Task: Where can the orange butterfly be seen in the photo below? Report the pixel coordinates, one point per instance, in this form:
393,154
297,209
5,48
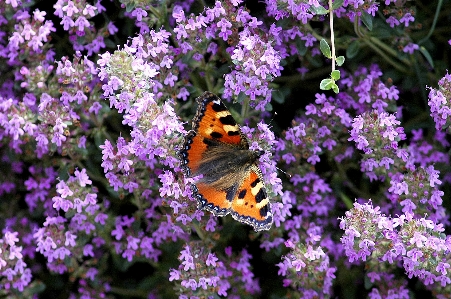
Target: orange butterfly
231,182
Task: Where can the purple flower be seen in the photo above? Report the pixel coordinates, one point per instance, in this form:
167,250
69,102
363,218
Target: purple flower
211,224
211,260
410,48
406,19
299,260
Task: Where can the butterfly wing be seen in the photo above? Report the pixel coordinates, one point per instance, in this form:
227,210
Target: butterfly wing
212,149
212,199
212,125
251,204
214,129
214,121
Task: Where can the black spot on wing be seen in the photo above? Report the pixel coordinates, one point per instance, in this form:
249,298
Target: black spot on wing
227,120
233,133
264,211
254,183
216,135
261,195
210,142
259,225
218,107
242,194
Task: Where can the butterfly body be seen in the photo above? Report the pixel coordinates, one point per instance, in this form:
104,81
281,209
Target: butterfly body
230,179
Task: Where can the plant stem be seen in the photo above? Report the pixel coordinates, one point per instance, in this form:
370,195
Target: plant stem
332,38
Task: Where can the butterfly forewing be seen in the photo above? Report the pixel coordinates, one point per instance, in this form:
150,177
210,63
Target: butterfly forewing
214,121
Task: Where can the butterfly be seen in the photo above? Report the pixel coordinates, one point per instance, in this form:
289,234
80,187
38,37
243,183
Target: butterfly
231,180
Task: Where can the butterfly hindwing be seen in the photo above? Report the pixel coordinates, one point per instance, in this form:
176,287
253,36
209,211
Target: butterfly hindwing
215,202
229,179
251,203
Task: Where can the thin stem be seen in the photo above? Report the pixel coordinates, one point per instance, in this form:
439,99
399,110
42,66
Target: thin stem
381,48
389,50
208,78
245,108
332,37
383,55
357,28
199,231
434,23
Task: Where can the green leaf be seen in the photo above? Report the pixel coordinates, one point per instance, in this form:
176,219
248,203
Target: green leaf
319,10
326,84
241,97
325,49
337,4
427,56
353,49
335,75
367,19
9,14
278,96
300,46
340,60
349,203
335,88
130,6
283,62
268,107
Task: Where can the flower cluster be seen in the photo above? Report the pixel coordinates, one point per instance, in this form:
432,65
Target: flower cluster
439,103
132,90
378,135
403,17
75,18
417,243
14,273
71,242
299,11
365,90
416,189
46,119
251,50
256,63
316,132
307,269
387,286
56,242
201,273
30,36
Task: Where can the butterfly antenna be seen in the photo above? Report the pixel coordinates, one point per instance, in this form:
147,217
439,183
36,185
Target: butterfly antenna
279,169
284,172
272,118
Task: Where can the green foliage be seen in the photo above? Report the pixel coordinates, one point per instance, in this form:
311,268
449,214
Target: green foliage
367,19
325,49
